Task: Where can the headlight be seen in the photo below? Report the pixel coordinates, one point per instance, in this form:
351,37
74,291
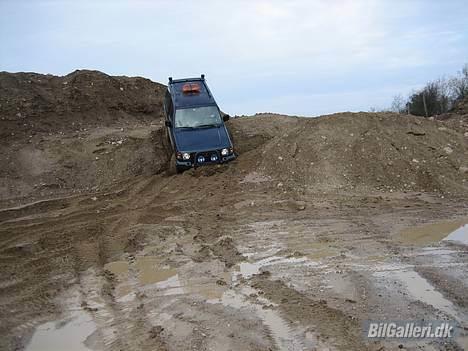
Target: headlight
186,156
225,152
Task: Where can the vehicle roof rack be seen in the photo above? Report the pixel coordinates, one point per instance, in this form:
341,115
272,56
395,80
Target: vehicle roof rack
201,78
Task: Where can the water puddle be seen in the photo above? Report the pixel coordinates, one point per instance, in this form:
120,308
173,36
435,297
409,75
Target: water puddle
170,286
249,269
459,236
435,251
72,333
430,233
147,274
209,289
420,289
284,335
119,268
69,334
150,271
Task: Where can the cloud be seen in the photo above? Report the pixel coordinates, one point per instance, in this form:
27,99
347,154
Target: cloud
252,51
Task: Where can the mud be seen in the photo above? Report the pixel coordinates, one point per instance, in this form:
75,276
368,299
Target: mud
265,253
434,232
302,279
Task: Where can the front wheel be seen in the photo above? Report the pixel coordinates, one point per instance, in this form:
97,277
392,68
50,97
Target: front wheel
172,166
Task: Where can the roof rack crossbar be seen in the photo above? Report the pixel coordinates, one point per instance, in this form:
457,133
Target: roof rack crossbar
185,80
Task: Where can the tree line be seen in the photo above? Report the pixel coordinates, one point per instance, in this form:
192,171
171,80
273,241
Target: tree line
436,97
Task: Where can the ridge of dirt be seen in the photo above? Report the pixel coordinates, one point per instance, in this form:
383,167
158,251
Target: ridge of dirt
350,151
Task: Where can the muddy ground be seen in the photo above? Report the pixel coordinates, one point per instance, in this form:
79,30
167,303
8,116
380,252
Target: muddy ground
319,226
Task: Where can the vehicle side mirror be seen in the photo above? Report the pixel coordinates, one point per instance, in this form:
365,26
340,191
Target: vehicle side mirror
226,118
168,124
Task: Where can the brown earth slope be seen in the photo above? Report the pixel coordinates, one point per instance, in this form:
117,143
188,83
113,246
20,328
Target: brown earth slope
32,103
293,246
71,133
88,130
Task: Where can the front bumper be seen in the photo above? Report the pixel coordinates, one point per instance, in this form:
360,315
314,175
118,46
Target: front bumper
195,156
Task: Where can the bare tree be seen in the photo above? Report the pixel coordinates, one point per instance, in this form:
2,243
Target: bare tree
431,100
436,97
399,104
459,85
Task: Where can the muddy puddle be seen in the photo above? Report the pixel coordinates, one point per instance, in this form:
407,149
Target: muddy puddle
118,268
248,269
435,232
170,286
148,269
147,274
459,236
70,334
420,289
284,334
73,332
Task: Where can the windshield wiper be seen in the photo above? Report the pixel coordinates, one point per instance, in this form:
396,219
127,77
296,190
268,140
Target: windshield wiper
185,127
207,125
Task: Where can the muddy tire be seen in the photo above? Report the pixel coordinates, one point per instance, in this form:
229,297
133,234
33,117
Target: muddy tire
172,167
166,142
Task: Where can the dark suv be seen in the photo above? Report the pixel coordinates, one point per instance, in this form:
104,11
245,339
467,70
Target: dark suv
195,126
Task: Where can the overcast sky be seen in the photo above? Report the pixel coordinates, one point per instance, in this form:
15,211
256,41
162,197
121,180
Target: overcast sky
304,57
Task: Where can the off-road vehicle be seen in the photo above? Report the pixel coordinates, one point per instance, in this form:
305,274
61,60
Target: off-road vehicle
195,125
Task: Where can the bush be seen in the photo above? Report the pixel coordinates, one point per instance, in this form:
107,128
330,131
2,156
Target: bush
436,97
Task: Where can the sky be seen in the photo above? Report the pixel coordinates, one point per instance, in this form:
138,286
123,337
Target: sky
298,57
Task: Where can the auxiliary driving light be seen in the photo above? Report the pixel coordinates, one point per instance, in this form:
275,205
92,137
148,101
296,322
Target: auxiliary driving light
200,159
224,152
186,156
214,158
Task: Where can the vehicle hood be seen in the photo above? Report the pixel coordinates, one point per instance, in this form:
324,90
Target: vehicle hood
202,139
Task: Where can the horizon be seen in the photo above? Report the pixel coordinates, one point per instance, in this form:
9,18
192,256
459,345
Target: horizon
323,58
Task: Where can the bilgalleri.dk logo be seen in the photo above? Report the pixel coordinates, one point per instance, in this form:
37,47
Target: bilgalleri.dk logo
410,329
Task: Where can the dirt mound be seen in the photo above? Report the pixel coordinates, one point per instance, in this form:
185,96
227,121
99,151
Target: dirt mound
37,102
384,151
76,133
87,131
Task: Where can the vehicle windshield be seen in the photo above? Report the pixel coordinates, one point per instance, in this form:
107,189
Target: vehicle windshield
197,117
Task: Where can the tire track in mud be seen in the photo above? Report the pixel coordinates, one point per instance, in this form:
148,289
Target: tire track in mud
120,333
90,240
339,330
105,244
78,238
